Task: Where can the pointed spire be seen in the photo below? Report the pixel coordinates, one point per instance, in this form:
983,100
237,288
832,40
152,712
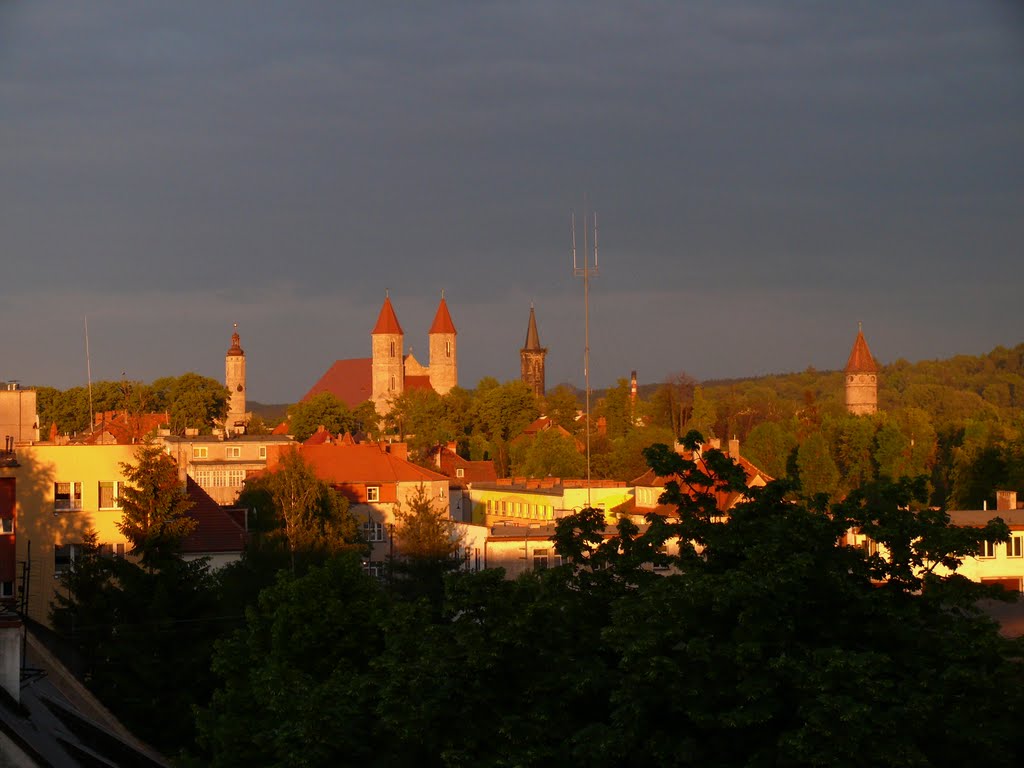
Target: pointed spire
443,319
236,344
387,320
861,360
532,337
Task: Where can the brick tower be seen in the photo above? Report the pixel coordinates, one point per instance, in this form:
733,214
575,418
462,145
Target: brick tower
443,362
531,357
388,377
234,380
861,378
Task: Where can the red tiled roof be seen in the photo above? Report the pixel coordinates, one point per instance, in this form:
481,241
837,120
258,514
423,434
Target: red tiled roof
724,499
124,429
417,382
442,320
216,530
319,437
472,471
351,381
281,429
387,320
363,462
861,360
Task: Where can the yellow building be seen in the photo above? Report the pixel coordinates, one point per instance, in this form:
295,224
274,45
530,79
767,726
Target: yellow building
62,492
521,501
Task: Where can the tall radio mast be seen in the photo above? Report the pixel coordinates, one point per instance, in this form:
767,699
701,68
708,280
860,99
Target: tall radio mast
586,271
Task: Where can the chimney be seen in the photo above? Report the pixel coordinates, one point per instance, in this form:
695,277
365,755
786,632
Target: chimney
715,443
399,450
1006,500
734,448
632,386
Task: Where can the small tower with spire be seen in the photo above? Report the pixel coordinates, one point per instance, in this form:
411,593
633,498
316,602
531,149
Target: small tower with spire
388,369
234,380
861,378
531,357
443,362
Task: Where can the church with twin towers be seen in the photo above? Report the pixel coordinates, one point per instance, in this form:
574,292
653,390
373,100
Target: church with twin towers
390,370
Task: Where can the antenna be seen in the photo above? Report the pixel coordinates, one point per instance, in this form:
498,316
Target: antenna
88,369
586,272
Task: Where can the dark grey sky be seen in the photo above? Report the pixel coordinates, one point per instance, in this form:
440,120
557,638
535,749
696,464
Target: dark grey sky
766,175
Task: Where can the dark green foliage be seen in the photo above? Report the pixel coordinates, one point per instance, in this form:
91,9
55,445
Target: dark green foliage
769,643
294,513
154,507
327,411
549,453
143,639
190,400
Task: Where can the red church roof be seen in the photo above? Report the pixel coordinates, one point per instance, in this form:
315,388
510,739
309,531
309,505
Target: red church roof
861,360
387,320
351,381
442,320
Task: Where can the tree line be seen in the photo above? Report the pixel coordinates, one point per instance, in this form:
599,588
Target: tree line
191,401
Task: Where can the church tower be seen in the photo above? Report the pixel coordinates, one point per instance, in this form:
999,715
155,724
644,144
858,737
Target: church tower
861,378
531,357
443,363
388,361
234,380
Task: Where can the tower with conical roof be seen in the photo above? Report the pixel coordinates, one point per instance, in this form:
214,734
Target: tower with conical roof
388,370
234,380
531,357
443,362
861,378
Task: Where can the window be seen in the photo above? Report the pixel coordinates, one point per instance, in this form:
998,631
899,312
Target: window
375,568
988,549
490,507
870,547
392,354
7,525
67,497
234,452
200,452
109,494
236,477
1015,546
540,559
6,589
460,472
373,493
391,384
263,451
64,555
447,349
373,531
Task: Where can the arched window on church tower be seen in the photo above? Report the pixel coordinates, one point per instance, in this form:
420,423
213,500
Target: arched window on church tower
392,349
448,349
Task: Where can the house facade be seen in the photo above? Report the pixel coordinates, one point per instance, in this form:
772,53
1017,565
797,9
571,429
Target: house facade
378,480
523,501
219,466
